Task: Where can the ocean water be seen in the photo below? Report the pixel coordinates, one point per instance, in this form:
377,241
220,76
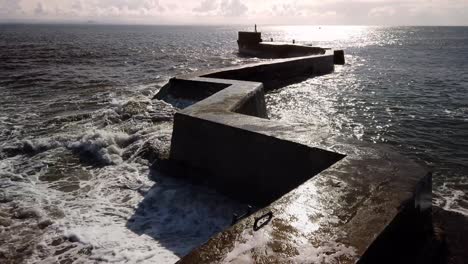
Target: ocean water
79,129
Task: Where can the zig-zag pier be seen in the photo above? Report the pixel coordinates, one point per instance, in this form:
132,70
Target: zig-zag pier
336,199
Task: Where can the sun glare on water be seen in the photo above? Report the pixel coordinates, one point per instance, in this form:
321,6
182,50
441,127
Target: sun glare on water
335,35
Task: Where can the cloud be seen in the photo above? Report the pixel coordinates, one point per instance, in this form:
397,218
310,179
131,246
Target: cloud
287,9
233,8
206,6
129,7
9,7
362,12
226,8
40,10
172,6
77,6
382,11
132,5
90,9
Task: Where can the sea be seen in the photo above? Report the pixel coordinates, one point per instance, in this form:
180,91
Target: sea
80,130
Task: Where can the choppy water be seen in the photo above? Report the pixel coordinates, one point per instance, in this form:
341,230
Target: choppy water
78,128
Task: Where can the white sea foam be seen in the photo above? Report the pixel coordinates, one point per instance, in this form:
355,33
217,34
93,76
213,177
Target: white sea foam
258,242
452,198
243,250
330,253
127,217
103,146
91,188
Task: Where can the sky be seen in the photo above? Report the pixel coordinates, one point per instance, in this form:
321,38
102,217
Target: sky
310,12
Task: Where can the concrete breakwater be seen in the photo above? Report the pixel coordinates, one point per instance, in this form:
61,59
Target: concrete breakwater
328,201
231,127
252,44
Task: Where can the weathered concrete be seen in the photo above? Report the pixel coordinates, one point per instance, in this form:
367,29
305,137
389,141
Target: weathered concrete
360,210
354,199
272,75
242,161
253,161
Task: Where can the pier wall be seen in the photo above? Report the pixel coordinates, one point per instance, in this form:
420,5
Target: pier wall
332,192
252,44
250,167
272,75
240,153
281,72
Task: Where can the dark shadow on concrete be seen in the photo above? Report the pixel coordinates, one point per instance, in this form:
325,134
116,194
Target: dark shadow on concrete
181,216
189,89
406,240
256,175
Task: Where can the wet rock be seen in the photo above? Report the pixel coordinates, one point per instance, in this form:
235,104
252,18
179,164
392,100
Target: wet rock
161,111
152,150
132,108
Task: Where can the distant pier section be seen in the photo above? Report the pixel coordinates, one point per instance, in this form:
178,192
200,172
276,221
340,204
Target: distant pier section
252,44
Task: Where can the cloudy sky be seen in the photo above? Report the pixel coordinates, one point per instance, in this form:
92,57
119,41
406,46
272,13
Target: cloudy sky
316,12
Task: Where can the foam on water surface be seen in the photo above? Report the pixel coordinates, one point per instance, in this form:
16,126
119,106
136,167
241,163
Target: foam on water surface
91,187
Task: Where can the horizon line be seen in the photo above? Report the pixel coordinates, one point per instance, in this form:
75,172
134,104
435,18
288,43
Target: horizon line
102,23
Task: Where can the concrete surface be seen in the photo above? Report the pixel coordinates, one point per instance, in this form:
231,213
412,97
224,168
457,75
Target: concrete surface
329,201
